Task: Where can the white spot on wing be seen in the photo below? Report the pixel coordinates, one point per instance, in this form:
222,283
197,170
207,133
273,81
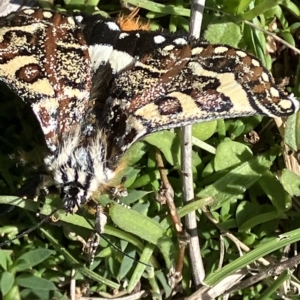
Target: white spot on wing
255,62
79,19
180,41
158,39
265,76
169,48
120,60
47,14
99,54
295,101
274,92
71,21
220,49
113,26
29,11
197,50
123,35
241,53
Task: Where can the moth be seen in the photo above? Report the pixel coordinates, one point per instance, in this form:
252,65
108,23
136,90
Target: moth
96,90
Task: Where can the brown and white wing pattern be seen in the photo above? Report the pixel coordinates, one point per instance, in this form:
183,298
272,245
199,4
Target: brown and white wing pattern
183,84
44,59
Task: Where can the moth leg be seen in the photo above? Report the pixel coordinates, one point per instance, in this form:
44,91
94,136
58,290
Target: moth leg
91,246
118,191
36,188
41,192
93,242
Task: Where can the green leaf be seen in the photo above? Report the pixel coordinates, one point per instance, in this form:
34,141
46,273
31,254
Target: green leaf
32,258
5,259
140,268
203,131
35,283
290,182
137,224
230,154
126,264
292,7
7,281
259,215
236,7
223,32
292,132
235,182
163,140
275,191
160,8
277,284
260,8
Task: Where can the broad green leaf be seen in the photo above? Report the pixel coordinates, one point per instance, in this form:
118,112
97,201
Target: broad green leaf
143,227
259,9
236,7
164,142
230,154
164,282
32,258
205,130
126,264
259,215
7,281
160,8
275,192
290,182
5,259
288,38
234,183
35,283
292,132
137,224
134,153
228,33
292,7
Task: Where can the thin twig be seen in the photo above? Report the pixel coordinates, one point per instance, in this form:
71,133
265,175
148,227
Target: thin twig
267,32
136,296
166,195
187,178
273,270
273,35
73,285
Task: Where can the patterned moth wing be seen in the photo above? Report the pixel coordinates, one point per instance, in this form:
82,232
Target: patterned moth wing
182,84
45,60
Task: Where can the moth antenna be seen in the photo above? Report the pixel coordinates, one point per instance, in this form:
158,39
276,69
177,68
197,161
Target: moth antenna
30,229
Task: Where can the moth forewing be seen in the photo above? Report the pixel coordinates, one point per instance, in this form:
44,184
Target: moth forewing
45,60
173,87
